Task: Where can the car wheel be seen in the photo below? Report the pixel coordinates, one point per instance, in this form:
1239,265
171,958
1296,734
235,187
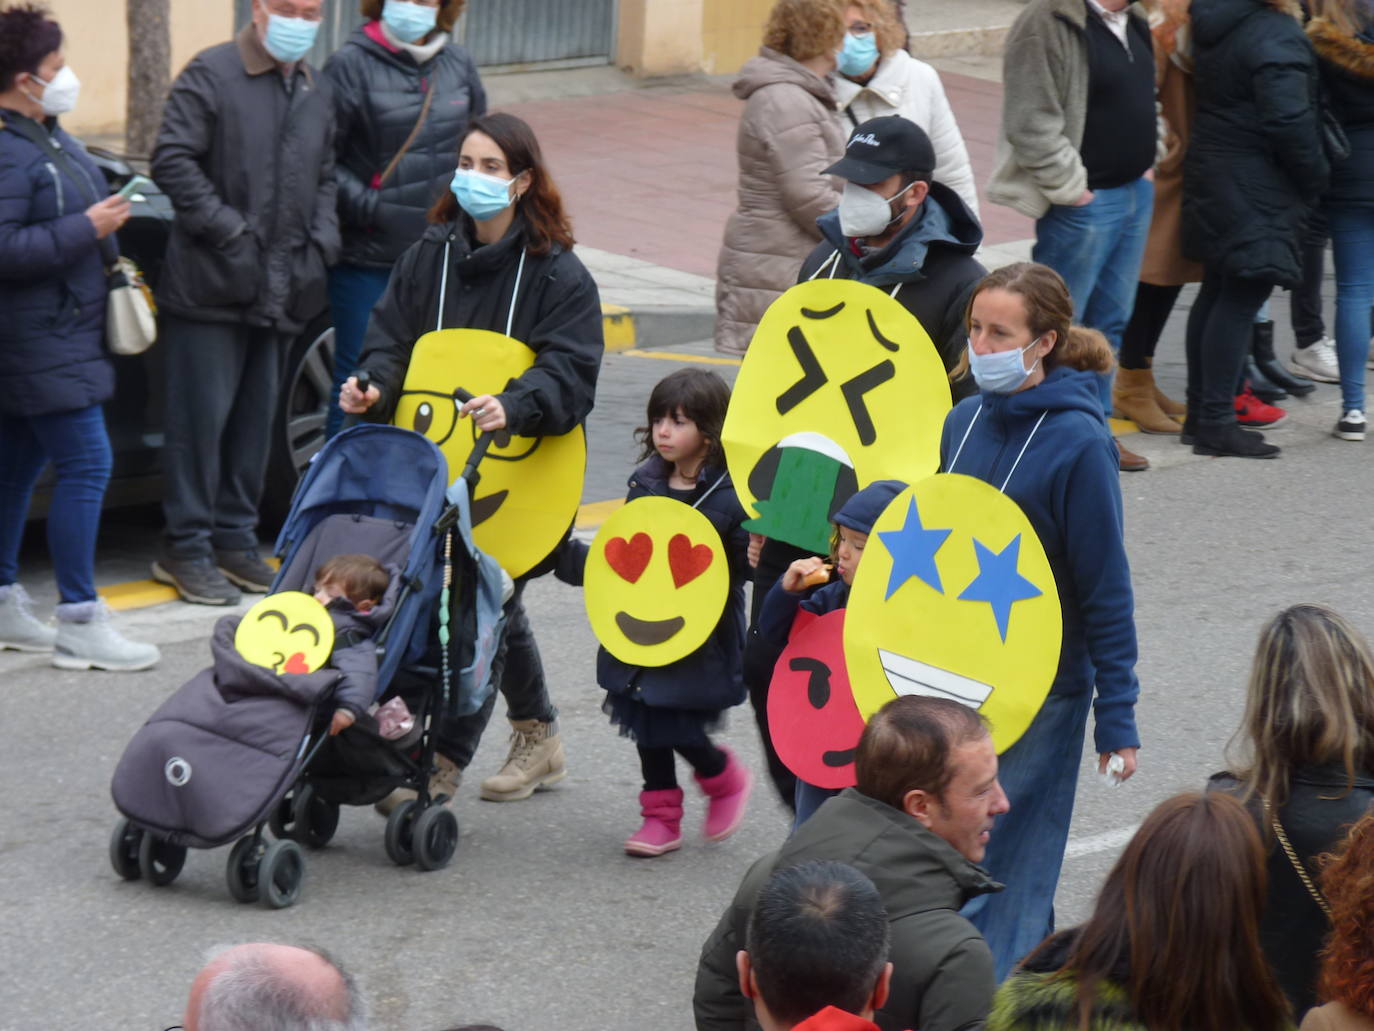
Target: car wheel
298,423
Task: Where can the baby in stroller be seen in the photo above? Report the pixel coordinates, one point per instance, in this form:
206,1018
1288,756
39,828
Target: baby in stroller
350,587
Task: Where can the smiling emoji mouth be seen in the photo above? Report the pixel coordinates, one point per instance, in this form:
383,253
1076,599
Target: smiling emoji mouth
647,632
909,676
484,508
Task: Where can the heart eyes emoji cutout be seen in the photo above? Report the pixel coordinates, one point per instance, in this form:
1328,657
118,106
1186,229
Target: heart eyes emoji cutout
687,561
629,558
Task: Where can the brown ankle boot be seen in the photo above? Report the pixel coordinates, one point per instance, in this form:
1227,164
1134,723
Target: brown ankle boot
1129,461
1133,397
1166,404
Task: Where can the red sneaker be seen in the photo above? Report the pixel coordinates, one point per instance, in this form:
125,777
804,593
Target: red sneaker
1252,412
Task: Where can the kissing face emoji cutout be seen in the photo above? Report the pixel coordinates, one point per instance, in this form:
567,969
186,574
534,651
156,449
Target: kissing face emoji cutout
954,598
288,632
656,582
840,386
530,487
812,718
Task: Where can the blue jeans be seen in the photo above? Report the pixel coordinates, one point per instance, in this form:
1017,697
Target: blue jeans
79,449
1098,248
1040,776
1352,247
809,798
353,292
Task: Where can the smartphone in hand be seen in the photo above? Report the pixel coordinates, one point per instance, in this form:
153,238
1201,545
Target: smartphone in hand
133,186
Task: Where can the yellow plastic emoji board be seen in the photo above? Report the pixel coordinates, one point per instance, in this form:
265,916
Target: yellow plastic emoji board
656,582
954,598
288,632
529,487
841,386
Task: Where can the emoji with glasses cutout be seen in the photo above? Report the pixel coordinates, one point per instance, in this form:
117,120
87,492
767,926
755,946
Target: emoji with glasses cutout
529,487
840,386
656,582
288,632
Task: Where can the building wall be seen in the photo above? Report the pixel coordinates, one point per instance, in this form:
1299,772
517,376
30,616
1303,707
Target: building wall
676,37
97,46
731,33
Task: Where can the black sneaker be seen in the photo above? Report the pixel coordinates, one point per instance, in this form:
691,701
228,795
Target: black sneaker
246,569
196,580
1351,426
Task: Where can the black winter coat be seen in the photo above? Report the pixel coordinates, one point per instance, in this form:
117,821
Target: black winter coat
247,158
557,315
1347,69
712,677
378,94
52,279
1255,166
1316,817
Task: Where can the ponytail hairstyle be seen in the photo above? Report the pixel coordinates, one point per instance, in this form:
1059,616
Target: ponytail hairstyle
1048,308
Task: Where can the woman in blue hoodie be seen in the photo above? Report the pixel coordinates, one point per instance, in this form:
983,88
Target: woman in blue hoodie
1036,432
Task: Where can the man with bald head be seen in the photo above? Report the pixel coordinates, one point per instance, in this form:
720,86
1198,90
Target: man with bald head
268,987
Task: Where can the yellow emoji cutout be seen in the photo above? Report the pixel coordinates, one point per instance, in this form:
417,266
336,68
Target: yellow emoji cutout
954,598
288,632
529,487
841,386
656,582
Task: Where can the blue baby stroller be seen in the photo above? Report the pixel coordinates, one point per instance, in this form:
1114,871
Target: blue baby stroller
226,755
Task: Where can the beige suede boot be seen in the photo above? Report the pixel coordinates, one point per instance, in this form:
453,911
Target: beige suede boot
443,786
1167,405
1133,397
535,761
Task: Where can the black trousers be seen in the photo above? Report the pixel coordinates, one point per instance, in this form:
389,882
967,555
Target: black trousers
1305,300
1220,327
221,395
660,768
1141,335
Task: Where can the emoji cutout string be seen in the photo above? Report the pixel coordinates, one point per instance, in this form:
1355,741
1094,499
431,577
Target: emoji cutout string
841,386
657,580
530,487
288,632
955,599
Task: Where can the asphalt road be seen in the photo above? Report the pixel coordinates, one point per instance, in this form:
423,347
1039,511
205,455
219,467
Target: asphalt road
541,921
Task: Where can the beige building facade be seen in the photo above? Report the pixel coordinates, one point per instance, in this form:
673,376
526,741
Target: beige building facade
679,37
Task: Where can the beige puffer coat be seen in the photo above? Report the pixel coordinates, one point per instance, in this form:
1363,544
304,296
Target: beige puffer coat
788,133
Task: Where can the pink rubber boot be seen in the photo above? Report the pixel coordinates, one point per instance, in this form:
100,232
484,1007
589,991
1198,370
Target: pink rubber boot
662,829
728,792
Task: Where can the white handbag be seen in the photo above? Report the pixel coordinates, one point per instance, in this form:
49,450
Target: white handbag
131,315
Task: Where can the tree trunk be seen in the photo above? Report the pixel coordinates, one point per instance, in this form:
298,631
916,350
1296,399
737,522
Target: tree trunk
150,62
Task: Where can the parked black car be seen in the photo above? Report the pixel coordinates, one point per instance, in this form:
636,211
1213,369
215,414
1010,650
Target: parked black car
134,414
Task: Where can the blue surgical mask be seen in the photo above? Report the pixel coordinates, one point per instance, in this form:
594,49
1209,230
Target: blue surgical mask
482,196
859,52
408,21
289,39
1001,372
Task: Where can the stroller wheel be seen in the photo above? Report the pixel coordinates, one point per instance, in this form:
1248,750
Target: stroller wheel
313,820
281,874
124,844
399,836
434,836
243,867
160,861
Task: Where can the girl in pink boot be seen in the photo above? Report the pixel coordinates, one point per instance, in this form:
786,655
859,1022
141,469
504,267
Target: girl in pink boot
671,710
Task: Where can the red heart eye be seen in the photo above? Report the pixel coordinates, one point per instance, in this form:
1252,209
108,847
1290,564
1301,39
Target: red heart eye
296,664
629,558
687,561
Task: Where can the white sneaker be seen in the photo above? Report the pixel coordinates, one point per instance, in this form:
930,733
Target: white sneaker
87,640
1317,361
20,629
1351,426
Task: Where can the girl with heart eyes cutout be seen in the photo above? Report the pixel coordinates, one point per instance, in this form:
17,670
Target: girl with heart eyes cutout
672,709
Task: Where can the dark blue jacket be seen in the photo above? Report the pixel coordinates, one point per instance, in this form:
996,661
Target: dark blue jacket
52,279
712,677
1068,485
780,611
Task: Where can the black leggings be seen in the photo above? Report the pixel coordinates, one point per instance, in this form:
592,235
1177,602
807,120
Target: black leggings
1141,335
1220,328
660,769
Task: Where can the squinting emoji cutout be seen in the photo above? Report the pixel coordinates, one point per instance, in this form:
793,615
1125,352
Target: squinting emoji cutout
288,632
656,582
812,718
529,487
840,386
954,598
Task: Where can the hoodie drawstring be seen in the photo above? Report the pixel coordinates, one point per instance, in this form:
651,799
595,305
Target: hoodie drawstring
1020,454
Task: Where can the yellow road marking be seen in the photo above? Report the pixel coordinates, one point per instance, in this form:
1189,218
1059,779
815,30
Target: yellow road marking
674,356
594,513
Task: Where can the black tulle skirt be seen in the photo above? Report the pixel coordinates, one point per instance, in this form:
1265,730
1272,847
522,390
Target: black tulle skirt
654,727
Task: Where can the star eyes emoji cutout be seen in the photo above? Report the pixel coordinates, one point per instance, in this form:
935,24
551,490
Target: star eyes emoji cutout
288,632
656,582
955,599
840,386
530,487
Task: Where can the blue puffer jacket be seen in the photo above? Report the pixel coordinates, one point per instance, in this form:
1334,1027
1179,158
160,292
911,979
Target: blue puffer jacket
1068,485
52,279
712,677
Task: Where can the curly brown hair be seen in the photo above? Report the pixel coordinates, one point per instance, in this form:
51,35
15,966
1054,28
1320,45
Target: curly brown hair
1347,972
449,10
887,27
803,29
